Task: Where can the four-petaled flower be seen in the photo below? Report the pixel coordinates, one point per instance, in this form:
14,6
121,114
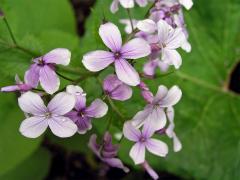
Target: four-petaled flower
134,49
106,151
82,115
142,141
42,116
43,69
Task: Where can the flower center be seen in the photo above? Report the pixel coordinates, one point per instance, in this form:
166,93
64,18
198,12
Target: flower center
40,61
81,114
48,115
117,55
142,139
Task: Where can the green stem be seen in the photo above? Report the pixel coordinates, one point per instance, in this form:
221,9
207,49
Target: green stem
115,109
64,77
130,18
9,30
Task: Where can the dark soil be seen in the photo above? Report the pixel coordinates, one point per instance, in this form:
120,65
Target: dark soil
234,83
75,166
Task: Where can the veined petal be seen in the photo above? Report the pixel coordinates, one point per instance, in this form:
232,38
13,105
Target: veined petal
111,36
62,126
84,124
142,3
121,93
97,109
62,103
148,130
163,31
114,6
126,73
49,80
31,76
175,39
127,3
157,118
172,57
140,118
131,132
135,49
10,88
97,60
147,25
111,82
32,103
58,56
117,163
161,93
173,96
150,67
137,153
79,94
33,127
157,147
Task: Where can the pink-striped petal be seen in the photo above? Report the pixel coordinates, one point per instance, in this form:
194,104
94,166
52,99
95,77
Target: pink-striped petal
147,25
157,118
157,147
135,49
161,93
97,109
61,104
32,103
163,31
111,36
33,127
49,80
173,97
97,60
137,153
131,132
62,126
31,76
126,73
58,56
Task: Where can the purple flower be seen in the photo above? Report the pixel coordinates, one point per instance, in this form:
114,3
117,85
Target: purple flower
177,146
153,113
106,151
20,86
126,4
42,116
142,141
43,69
134,49
82,115
116,89
149,170
128,26
146,93
150,67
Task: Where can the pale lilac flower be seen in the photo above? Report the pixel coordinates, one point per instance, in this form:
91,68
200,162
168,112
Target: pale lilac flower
150,67
106,151
116,89
149,170
82,115
142,141
126,4
134,49
44,116
20,86
43,69
145,92
128,27
169,40
177,146
153,113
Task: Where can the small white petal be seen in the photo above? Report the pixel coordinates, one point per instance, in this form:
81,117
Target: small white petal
147,25
127,3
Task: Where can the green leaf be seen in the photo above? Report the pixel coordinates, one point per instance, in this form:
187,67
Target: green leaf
34,167
207,118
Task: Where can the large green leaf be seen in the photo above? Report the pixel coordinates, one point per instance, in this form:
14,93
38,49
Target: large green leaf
207,118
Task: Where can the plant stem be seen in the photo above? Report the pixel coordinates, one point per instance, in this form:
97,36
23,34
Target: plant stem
64,77
130,18
115,109
9,30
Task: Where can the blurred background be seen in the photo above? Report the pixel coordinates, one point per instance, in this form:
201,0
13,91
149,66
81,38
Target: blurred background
207,118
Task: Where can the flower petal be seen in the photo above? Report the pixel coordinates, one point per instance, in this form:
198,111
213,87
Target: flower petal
10,88
150,170
114,6
49,80
97,60
127,3
172,57
186,46
150,67
31,76
135,49
58,56
62,103
122,93
117,163
186,3
32,103
97,109
62,126
177,145
111,36
126,73
33,127
157,118
173,97
163,31
84,124
175,39
157,147
137,153
147,25
148,130
161,93
131,132
141,3
79,94
140,118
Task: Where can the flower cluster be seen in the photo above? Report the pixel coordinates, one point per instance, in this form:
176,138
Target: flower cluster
67,112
